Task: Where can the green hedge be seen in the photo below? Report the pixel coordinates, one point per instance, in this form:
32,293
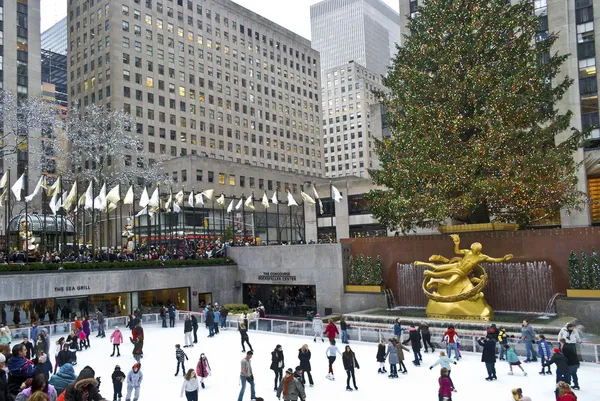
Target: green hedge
112,265
236,309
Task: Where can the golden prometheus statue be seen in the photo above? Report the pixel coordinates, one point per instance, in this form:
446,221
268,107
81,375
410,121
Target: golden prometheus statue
454,288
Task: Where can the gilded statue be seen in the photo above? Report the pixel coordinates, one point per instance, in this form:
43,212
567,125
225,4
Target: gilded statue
454,288
27,238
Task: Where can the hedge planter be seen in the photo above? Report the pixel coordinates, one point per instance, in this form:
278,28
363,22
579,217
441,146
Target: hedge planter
590,294
470,228
365,288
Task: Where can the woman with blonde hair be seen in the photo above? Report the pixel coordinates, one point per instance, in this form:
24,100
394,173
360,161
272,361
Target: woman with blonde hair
304,357
564,392
39,396
190,386
244,335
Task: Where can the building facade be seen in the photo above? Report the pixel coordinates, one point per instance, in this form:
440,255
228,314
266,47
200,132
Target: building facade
20,73
54,39
364,31
575,25
216,80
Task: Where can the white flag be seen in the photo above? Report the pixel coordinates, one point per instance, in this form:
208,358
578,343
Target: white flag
144,199
18,186
191,199
265,201
128,199
230,207
71,198
220,200
291,200
89,197
100,200
169,202
114,195
239,204
199,200
317,197
249,203
53,206
54,187
209,193
336,195
4,180
41,183
306,198
176,207
179,197
144,212
154,200
274,198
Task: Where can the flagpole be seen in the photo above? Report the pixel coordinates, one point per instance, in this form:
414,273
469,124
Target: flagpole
26,223
120,220
8,218
253,220
170,221
267,219
194,215
84,235
62,221
148,229
303,216
214,222
333,231
93,226
291,222
317,209
278,233
76,216
43,241
243,218
133,225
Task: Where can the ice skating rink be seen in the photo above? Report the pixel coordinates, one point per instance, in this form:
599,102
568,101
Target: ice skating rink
224,354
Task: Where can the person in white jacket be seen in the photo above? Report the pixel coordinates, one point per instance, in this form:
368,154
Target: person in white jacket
570,334
134,381
190,386
317,325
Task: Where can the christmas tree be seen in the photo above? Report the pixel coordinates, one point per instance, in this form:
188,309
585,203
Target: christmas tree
583,271
594,271
378,272
367,278
573,271
351,271
473,120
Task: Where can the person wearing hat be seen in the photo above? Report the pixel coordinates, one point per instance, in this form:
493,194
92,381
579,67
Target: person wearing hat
562,368
64,377
116,338
291,388
118,377
317,325
134,381
5,336
517,394
3,379
86,388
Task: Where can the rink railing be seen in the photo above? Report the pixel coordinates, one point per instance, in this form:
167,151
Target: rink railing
589,351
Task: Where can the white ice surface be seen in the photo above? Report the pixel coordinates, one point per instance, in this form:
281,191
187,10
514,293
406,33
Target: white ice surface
224,355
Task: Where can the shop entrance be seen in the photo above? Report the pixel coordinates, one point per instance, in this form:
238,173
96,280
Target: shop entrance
284,300
204,299
68,308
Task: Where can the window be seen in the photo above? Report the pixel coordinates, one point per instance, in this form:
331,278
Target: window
357,204
211,176
231,179
221,178
198,175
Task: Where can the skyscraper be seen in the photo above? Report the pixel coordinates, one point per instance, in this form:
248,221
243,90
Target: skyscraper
214,79
54,38
363,31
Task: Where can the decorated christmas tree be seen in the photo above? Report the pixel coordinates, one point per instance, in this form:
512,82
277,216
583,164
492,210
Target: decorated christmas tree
351,271
573,271
378,272
583,271
473,118
594,271
367,278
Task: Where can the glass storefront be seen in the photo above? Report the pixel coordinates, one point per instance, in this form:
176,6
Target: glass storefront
284,300
153,301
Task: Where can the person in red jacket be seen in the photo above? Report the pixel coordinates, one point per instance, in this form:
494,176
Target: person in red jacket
565,393
331,330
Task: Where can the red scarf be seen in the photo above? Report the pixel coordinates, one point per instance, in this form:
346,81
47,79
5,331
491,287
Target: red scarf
286,383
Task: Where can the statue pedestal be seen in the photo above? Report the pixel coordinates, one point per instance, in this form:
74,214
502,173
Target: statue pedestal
477,310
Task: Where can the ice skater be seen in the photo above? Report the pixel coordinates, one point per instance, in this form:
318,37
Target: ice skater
513,360
277,365
190,386
392,357
415,342
203,369
426,335
216,320
400,350
181,358
116,338
317,325
488,356
445,362
381,353
451,338
244,337
137,349
445,391
350,363
118,377
544,353
134,382
331,353
195,327
304,357
331,330
187,332
291,388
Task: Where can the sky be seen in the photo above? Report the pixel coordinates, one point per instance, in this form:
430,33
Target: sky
291,14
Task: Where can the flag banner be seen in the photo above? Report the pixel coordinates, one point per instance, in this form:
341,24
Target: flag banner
239,204
336,195
41,183
81,201
54,187
89,197
176,207
100,200
306,198
53,206
144,199
71,198
274,198
169,203
128,200
221,200
291,200
18,186
191,199
230,207
114,195
154,199
249,203
265,201
209,193
111,206
317,197
199,200
4,181
179,197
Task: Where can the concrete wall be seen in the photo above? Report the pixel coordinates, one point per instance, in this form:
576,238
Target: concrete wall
358,302
319,265
219,280
586,311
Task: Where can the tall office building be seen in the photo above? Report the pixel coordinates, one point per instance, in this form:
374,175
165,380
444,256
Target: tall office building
364,31
212,79
20,73
575,25
54,39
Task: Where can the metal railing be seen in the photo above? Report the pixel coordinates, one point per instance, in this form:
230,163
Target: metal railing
588,351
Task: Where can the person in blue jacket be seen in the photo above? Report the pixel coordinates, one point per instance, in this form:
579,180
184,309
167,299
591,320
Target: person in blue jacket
64,377
20,369
544,353
43,365
171,315
398,330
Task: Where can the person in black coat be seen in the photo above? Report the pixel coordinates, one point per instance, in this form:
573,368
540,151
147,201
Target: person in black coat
210,322
195,327
304,357
570,353
562,368
277,365
29,347
350,363
381,353
171,315
3,379
64,356
488,356
414,337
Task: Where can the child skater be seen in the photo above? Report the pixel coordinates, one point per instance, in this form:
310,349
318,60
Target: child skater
444,362
381,353
116,338
392,357
401,348
332,352
203,369
513,360
137,349
545,354
82,340
317,324
190,386
118,377
181,357
445,391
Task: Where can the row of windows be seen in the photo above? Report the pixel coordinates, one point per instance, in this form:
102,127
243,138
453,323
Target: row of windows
251,182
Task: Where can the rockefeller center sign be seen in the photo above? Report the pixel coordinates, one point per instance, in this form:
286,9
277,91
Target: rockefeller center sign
276,276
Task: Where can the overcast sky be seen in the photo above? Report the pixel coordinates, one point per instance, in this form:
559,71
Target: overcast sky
292,14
